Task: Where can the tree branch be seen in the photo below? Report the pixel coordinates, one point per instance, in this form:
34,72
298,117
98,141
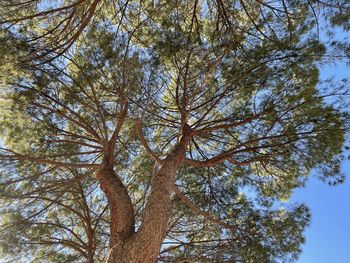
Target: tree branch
196,209
144,142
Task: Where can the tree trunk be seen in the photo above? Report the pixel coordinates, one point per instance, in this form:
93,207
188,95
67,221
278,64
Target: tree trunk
144,245
121,210
90,243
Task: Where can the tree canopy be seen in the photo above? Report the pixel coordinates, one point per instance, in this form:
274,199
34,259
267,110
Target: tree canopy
168,131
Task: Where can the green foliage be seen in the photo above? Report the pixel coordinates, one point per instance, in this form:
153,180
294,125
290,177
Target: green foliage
243,75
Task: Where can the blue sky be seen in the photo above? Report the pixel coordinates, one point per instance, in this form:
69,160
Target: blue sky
328,236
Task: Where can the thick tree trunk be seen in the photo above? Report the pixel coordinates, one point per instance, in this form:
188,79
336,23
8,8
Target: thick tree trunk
144,246
121,210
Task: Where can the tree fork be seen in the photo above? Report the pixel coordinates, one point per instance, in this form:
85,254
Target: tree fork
145,244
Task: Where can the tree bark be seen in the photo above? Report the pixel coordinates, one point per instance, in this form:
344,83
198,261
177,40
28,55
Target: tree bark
121,210
144,245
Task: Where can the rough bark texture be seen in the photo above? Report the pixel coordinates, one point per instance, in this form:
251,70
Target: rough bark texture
120,207
144,245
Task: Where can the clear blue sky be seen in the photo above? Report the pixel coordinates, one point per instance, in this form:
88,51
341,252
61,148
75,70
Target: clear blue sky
328,236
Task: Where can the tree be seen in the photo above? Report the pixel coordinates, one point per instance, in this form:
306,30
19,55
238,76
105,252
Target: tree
54,225
177,111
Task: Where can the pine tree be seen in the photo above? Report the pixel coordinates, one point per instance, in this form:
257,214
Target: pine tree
165,131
